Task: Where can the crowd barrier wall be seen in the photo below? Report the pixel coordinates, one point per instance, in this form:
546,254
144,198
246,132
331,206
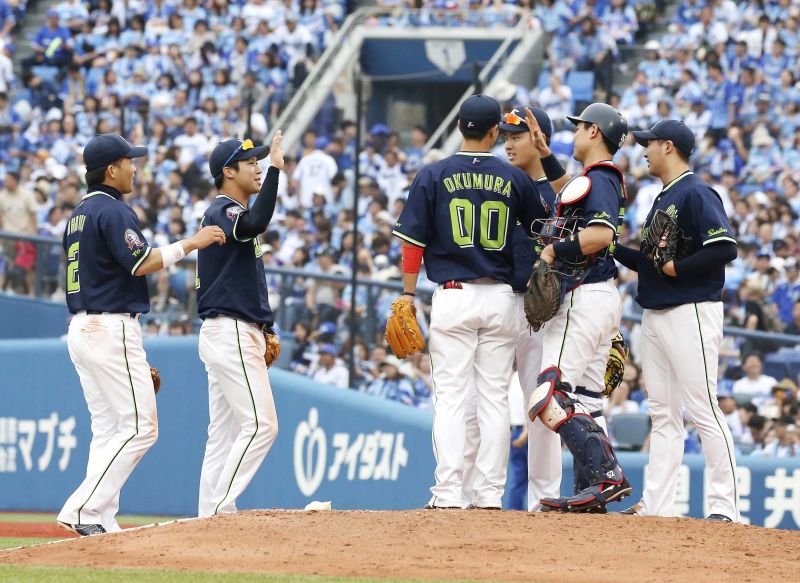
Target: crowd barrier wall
358,451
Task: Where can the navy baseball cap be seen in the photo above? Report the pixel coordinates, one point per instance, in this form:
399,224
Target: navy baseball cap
231,151
673,130
479,112
104,149
514,121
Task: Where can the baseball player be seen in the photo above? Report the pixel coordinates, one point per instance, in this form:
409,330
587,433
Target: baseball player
682,325
460,215
237,324
543,446
107,255
577,340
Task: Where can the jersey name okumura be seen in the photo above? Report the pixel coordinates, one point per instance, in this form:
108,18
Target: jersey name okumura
698,210
104,247
230,278
463,211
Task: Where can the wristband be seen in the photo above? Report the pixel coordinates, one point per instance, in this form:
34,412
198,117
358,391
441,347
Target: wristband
412,258
569,248
171,254
552,168
412,294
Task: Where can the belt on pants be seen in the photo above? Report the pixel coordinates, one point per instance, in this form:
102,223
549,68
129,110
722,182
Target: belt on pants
262,327
453,284
132,315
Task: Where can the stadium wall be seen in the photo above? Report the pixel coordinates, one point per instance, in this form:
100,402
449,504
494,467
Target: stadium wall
360,452
32,318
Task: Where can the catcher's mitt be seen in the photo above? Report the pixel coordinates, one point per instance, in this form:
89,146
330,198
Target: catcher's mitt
402,331
543,296
273,350
615,367
156,376
665,241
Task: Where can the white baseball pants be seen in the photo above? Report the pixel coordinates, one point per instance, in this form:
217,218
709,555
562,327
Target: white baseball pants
111,363
680,358
471,344
544,446
578,338
243,422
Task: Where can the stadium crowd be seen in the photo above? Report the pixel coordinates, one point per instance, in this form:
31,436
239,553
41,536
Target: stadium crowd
172,76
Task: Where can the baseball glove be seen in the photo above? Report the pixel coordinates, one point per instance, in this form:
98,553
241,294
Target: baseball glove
665,241
543,296
402,331
156,376
615,367
273,350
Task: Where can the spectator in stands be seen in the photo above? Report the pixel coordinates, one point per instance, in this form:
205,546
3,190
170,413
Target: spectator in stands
329,370
754,383
794,326
556,100
18,215
782,440
322,297
392,384
727,405
314,173
787,293
52,44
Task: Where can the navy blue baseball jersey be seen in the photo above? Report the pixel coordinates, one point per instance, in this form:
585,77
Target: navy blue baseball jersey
462,210
104,247
230,278
698,210
526,251
602,206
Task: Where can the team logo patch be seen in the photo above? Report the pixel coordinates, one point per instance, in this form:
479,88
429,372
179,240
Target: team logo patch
132,239
233,211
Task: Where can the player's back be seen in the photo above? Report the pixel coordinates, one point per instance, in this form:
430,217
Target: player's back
104,247
463,210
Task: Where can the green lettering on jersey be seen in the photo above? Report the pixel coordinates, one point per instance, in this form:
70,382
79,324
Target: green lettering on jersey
448,184
507,190
462,217
498,184
488,181
494,224
457,181
477,181
466,179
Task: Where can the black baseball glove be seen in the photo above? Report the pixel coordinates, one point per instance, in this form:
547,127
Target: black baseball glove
665,241
543,296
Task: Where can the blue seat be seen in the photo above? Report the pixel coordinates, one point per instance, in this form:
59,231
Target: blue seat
582,85
544,79
629,430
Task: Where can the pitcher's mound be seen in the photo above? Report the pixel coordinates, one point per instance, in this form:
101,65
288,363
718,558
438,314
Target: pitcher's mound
442,544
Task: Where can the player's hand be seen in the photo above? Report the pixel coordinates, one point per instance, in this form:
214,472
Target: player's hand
669,269
548,255
537,135
522,439
408,299
275,152
208,236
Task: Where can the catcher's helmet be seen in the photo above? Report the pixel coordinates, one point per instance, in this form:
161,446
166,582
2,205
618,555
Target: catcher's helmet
612,123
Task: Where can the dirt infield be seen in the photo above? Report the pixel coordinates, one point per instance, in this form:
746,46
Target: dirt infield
459,544
34,530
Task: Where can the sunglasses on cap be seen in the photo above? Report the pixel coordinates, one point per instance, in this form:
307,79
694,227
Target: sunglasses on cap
243,147
513,119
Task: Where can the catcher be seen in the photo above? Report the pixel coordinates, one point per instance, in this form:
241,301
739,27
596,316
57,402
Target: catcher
573,294
686,242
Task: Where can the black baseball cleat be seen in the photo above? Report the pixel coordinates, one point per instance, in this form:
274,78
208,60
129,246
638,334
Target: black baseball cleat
594,498
473,507
719,518
430,506
83,529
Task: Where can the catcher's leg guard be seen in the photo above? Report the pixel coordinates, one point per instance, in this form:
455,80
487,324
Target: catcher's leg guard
542,404
598,476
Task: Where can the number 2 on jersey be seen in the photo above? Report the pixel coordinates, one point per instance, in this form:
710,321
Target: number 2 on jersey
73,283
493,223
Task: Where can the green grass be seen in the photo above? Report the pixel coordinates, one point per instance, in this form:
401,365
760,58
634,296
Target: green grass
13,573
12,542
47,517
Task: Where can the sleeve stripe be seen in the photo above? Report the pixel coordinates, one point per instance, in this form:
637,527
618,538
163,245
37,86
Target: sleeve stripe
602,222
235,223
407,238
141,260
719,239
